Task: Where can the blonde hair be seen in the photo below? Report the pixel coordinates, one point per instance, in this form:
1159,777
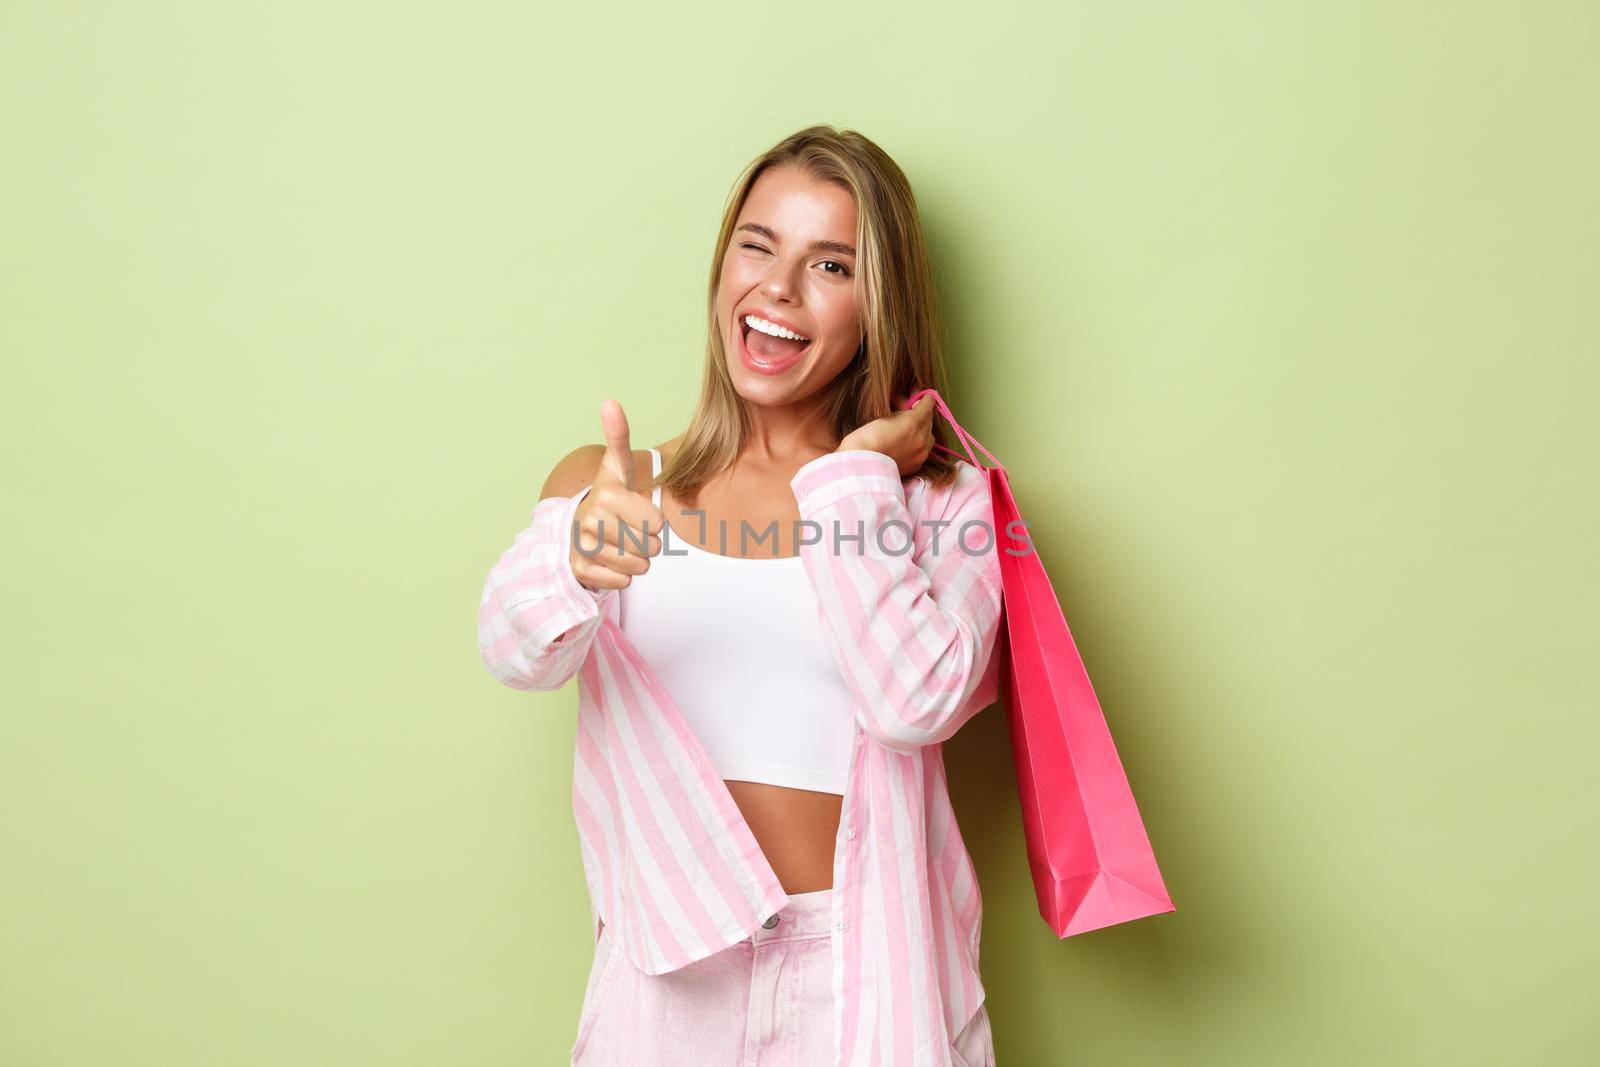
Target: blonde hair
900,352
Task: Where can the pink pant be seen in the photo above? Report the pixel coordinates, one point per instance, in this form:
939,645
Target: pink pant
766,1001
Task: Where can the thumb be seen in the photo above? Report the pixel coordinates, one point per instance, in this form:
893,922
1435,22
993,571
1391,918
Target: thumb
619,455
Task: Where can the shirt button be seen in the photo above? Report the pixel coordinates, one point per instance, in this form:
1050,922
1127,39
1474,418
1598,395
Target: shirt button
841,926
772,920
849,833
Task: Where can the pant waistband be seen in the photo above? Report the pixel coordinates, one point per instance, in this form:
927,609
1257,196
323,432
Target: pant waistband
806,915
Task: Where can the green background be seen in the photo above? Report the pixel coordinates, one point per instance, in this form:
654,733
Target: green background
1282,317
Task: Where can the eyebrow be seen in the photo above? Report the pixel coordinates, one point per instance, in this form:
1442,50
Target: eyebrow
815,246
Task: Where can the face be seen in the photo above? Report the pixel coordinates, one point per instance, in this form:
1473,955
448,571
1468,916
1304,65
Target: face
790,262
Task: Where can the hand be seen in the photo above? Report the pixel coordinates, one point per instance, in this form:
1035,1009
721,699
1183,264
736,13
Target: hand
905,437
615,509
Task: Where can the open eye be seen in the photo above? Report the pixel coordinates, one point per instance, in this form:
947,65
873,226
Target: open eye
843,271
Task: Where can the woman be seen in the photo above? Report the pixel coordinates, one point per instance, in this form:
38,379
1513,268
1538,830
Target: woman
804,602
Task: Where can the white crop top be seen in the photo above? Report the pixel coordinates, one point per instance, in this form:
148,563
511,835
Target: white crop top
738,643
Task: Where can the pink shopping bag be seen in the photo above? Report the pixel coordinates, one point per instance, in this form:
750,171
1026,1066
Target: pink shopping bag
1088,851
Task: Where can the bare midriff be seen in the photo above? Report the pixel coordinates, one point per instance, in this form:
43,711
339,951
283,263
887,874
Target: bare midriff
796,829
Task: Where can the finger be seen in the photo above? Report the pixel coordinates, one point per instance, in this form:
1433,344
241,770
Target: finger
618,544
623,518
619,454
628,522
608,562
923,409
596,578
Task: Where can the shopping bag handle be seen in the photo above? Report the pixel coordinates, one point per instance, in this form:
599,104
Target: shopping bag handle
966,439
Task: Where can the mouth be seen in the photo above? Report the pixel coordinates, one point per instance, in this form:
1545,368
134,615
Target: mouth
768,347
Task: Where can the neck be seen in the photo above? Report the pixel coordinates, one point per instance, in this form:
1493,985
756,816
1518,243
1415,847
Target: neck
788,434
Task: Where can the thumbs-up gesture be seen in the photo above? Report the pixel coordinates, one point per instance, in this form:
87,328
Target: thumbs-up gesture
623,521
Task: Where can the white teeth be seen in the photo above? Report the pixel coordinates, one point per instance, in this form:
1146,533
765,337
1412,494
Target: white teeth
757,323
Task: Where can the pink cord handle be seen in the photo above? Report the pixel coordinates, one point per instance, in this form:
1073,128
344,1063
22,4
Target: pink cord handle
966,439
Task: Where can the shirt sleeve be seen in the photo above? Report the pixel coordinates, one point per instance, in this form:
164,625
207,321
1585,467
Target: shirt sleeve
911,610
536,623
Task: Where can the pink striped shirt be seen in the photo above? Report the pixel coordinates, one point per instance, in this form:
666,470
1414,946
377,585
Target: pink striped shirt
671,864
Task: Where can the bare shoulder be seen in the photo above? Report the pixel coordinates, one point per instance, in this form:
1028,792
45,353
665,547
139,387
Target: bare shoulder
574,471
577,469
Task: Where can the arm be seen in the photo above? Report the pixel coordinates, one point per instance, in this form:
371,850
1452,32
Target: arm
914,631
536,623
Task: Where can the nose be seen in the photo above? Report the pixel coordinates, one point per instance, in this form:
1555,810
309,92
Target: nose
779,284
